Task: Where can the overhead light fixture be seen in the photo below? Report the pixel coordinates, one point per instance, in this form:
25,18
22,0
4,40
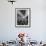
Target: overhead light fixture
12,1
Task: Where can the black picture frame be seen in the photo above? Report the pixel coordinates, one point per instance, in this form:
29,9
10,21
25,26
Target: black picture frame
23,17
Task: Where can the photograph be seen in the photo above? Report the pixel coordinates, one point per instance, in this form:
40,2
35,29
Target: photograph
22,16
22,22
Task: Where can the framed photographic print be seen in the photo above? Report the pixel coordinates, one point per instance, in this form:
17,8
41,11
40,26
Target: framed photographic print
22,17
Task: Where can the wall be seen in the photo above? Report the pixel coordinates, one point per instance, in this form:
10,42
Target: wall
8,31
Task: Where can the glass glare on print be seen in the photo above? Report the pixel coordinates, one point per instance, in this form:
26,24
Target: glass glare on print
22,17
